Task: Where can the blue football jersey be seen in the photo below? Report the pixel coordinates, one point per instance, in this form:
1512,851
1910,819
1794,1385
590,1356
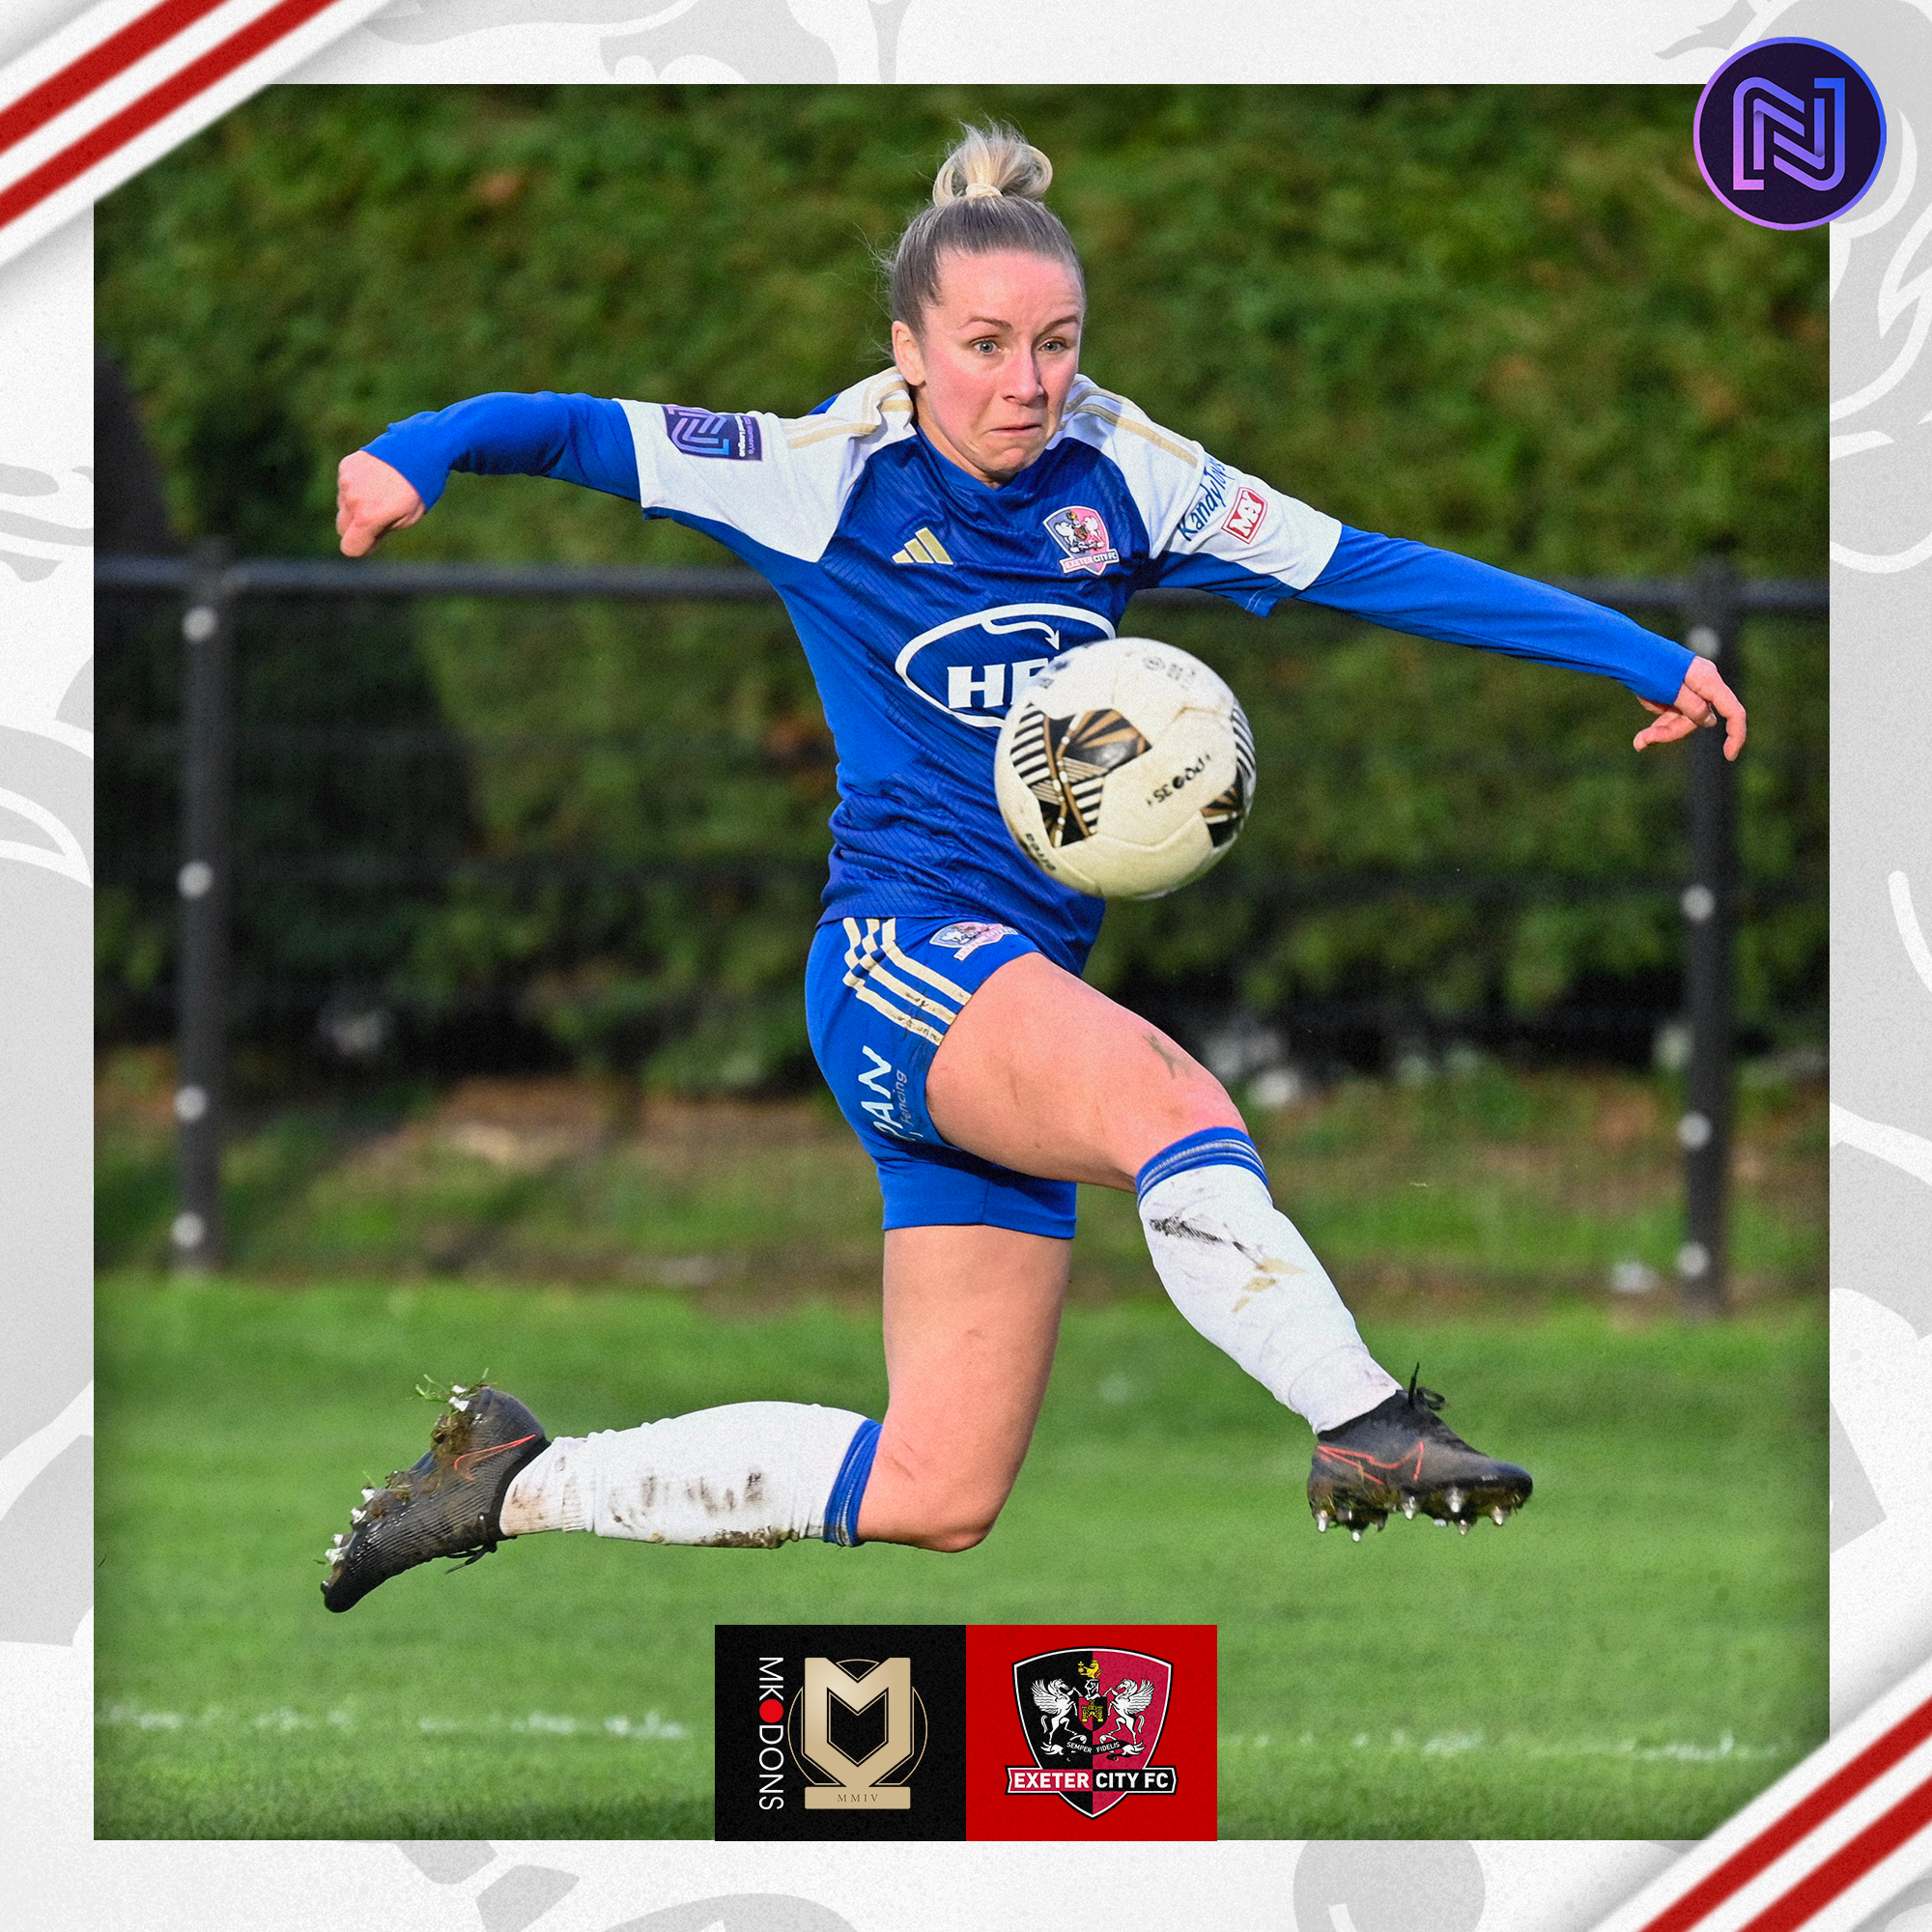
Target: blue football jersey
925,600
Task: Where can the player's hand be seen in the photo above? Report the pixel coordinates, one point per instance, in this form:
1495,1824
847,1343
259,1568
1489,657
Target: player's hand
1703,701
372,498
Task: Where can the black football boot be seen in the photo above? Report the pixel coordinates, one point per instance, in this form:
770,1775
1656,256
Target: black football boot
1401,1456
448,1504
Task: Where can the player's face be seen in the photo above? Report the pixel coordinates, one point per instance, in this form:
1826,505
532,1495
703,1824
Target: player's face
993,359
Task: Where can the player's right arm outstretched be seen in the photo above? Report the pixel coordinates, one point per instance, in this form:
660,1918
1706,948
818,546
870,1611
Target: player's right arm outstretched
372,499
396,481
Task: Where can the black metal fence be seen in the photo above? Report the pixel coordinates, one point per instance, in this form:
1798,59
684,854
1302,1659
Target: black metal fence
1712,607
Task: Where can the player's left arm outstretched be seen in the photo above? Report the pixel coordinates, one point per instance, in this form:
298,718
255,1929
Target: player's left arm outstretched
1436,593
1237,536
1703,701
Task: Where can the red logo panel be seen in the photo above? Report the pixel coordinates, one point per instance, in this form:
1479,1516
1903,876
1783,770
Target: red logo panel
1090,1731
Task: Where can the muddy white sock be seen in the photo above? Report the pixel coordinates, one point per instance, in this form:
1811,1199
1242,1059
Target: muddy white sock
751,1474
1237,1268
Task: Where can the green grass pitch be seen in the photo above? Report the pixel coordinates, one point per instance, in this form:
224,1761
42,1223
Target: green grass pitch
1633,1657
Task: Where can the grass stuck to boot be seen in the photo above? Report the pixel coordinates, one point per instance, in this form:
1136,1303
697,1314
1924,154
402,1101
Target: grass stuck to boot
448,1504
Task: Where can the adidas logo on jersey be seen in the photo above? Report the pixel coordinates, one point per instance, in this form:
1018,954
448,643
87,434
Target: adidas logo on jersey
924,547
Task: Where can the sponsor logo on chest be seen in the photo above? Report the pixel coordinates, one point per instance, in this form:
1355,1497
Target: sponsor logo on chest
972,668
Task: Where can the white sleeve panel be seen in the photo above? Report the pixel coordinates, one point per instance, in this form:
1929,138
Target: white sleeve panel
1197,507
781,481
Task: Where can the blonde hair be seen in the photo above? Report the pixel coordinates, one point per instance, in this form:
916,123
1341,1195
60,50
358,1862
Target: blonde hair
985,201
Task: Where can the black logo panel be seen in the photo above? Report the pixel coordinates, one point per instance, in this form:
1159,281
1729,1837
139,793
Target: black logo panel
840,1731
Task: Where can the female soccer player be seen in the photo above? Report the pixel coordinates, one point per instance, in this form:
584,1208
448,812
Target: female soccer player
938,534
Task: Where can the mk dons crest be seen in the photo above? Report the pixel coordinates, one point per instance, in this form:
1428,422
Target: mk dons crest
1092,1719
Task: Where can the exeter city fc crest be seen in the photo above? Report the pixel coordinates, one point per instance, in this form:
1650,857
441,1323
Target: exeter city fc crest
1092,1720
1082,533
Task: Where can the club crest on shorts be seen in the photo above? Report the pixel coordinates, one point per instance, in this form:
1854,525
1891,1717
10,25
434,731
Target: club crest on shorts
1082,533
1092,1720
967,936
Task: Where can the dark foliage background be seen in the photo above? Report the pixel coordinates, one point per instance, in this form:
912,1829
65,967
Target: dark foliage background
1509,320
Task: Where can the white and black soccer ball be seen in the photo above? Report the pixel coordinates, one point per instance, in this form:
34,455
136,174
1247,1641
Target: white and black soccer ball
1124,769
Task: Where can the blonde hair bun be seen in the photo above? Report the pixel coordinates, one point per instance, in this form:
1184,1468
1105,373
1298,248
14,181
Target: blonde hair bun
987,201
992,161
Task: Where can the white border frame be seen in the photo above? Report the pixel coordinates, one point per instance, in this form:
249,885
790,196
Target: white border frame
1882,1041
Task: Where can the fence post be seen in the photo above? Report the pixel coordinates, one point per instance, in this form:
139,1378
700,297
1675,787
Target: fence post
1714,614
200,998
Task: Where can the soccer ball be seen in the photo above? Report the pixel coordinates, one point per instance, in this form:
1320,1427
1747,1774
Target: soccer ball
1124,769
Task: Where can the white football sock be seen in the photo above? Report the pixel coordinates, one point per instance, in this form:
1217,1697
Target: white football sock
1234,1265
751,1474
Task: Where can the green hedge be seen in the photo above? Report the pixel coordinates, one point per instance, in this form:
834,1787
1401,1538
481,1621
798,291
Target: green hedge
1508,320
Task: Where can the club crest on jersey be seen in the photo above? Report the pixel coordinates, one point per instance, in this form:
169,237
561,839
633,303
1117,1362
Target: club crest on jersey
1082,533
705,433
1245,518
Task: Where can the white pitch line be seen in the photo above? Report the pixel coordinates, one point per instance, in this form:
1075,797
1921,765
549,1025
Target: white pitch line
652,1727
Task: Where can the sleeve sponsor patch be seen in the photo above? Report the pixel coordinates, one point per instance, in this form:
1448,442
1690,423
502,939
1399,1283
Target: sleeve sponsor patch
734,438
1245,519
1210,495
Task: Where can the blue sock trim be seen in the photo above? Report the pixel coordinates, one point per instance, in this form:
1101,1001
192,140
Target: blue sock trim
849,1488
1211,1147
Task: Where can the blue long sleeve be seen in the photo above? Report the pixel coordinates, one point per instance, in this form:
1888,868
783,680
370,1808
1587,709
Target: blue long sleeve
1434,593
576,439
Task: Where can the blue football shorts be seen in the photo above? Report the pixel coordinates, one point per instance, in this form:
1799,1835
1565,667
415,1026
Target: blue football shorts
879,996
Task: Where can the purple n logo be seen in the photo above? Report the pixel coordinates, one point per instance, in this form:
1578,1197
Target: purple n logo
1767,103
1789,134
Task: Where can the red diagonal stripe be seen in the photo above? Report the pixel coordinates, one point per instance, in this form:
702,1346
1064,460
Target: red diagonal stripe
1847,1865
98,66
483,1455
1803,1818
115,132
